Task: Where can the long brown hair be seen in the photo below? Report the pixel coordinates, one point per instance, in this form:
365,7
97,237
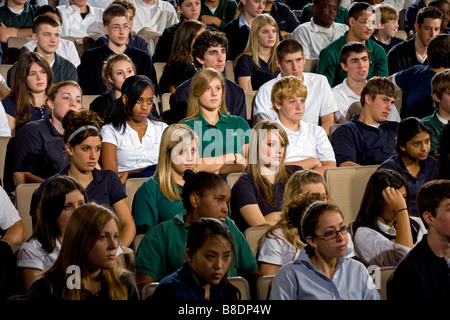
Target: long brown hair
19,90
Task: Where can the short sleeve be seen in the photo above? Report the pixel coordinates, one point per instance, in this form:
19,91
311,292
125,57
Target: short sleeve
244,67
109,134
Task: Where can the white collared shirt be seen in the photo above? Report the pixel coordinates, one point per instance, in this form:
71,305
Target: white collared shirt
73,25
310,141
95,3
319,101
314,38
373,248
163,16
132,153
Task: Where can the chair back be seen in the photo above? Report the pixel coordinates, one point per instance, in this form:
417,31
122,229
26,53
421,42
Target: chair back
24,193
254,235
242,285
131,187
263,287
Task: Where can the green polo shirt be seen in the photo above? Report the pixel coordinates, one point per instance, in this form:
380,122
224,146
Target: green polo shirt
228,135
330,66
151,207
435,125
22,21
225,11
161,251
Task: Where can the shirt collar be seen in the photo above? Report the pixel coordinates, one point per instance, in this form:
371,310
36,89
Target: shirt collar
243,22
386,229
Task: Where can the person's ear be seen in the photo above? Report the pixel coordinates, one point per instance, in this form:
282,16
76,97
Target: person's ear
51,104
367,99
277,106
200,60
194,198
310,240
105,29
69,149
34,37
188,255
124,99
416,27
436,98
351,21
427,217
344,66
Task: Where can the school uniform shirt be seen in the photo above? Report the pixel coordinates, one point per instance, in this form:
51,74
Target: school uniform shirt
246,67
90,69
151,207
105,188
245,192
135,41
22,20
283,15
225,11
319,101
32,256
363,144
373,248
156,17
314,37
228,135
416,84
310,141
8,212
36,113
237,32
344,97
411,14
403,56
181,285
301,280
436,124
389,45
5,130
73,25
41,289
330,66
421,276
66,49
161,251
39,149
428,171
306,15
131,152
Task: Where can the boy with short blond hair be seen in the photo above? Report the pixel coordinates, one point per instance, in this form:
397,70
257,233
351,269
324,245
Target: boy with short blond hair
440,91
424,273
385,32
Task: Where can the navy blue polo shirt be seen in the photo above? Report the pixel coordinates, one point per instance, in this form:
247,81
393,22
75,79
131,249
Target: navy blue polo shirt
105,188
246,67
39,149
428,171
364,144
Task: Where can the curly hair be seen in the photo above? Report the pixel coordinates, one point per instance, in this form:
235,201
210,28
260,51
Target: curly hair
74,120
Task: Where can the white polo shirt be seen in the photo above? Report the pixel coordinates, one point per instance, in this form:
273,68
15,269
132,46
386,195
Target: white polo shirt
73,25
319,101
314,38
344,97
310,141
95,3
8,212
131,153
156,18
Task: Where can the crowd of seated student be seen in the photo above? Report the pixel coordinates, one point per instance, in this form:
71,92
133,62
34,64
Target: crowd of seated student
299,105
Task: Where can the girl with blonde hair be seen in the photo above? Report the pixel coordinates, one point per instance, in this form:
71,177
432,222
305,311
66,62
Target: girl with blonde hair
86,267
257,64
224,137
159,198
257,195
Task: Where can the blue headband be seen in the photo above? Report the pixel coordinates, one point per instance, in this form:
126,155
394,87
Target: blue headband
79,130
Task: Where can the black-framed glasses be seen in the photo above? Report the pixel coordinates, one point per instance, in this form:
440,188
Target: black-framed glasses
330,235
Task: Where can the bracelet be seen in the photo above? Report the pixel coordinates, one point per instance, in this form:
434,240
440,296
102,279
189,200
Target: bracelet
400,210
235,158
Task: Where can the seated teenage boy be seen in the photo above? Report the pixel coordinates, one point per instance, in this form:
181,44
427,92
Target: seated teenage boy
368,139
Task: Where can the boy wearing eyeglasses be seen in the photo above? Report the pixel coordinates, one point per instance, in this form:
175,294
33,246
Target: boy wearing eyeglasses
361,23
116,26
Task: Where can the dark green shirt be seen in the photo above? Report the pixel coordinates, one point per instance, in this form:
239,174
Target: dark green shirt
225,11
228,135
330,65
151,207
435,125
161,251
22,21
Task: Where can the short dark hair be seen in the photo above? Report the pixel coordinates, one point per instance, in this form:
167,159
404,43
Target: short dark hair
112,11
357,9
438,51
288,46
352,46
430,196
206,40
428,12
377,85
46,9
44,19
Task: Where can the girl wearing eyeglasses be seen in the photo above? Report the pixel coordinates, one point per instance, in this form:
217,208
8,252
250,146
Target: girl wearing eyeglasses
322,272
